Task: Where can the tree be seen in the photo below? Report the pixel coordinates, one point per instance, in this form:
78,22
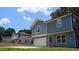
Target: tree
9,32
2,30
25,31
65,10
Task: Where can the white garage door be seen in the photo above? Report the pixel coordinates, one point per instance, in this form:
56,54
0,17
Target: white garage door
40,42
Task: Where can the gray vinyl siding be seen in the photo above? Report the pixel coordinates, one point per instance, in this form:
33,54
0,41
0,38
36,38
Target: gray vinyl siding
66,25
43,28
70,40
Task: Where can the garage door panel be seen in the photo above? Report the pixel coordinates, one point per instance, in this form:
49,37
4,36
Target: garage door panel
40,42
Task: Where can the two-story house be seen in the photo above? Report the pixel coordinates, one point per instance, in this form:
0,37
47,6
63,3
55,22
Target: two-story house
60,32
22,38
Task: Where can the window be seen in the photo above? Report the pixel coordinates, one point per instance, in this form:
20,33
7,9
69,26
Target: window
61,39
38,28
58,39
19,35
19,40
32,42
25,41
74,19
59,23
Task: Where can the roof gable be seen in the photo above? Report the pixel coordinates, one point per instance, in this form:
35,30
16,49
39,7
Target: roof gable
36,21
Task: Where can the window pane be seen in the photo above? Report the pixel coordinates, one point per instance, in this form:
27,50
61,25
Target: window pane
38,29
25,41
32,42
63,38
58,39
19,35
59,23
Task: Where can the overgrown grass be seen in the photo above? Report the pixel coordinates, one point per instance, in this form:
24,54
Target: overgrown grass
39,49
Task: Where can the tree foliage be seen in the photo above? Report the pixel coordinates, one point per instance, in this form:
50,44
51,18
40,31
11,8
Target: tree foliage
25,31
65,10
2,30
9,32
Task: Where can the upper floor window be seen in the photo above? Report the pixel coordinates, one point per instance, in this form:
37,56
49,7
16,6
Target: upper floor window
38,28
74,19
19,35
59,23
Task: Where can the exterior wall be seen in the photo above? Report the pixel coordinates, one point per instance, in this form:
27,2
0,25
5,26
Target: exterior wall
7,39
43,28
14,37
51,28
66,25
70,40
24,38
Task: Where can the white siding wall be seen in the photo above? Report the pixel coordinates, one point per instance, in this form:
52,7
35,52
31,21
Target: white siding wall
23,38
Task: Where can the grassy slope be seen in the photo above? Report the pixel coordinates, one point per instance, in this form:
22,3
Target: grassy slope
39,49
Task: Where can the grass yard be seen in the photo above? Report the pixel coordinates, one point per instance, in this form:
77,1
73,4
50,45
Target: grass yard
16,47
39,49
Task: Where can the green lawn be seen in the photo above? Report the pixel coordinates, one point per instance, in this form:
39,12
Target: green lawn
9,48
39,49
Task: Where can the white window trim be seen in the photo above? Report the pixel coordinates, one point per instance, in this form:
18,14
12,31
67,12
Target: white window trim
61,39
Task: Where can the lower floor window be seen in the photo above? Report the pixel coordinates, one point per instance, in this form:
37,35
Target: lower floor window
19,40
58,39
32,42
61,38
25,41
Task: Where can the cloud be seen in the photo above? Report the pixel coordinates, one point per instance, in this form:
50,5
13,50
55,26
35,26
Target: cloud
4,21
28,18
43,10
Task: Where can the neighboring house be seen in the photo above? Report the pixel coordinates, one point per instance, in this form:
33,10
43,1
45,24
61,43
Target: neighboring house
14,37
19,38
24,38
10,39
60,32
6,39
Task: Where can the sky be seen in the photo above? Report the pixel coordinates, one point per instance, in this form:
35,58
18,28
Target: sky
22,17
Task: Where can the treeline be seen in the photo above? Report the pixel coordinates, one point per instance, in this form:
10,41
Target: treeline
6,32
